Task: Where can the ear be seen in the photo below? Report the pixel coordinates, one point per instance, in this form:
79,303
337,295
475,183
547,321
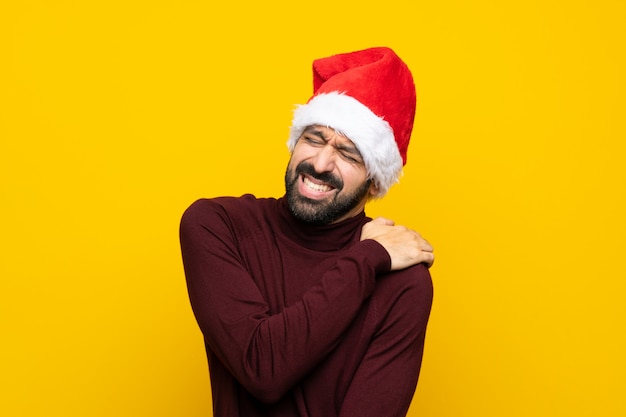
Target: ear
374,190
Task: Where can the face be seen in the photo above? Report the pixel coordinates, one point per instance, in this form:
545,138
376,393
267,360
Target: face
326,179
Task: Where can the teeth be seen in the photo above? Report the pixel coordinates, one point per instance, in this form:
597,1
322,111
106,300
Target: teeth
316,187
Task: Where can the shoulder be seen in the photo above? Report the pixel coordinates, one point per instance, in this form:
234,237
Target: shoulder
243,206
416,278
411,287
229,212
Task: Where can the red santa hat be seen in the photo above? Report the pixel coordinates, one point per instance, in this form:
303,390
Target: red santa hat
369,97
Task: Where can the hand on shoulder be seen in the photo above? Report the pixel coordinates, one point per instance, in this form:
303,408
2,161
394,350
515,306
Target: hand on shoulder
406,247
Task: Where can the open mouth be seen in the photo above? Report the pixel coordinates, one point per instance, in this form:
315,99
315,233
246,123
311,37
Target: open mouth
314,188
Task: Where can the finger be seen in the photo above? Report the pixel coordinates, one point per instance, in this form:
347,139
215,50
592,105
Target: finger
425,246
429,258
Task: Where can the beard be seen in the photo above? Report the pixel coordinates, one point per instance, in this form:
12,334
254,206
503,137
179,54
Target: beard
320,212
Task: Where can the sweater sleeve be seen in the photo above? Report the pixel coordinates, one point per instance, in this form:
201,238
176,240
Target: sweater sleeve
387,376
268,354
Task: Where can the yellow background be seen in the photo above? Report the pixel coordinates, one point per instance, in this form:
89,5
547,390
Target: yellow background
116,115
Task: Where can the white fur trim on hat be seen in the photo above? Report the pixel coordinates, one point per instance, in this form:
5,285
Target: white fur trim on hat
371,134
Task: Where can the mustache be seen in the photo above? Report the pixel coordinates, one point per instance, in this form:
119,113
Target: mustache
327,177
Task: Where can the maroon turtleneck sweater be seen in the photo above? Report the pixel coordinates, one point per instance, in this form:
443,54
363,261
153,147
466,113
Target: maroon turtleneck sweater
301,320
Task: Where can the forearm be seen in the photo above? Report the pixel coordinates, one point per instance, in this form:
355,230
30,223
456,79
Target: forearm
269,353
284,347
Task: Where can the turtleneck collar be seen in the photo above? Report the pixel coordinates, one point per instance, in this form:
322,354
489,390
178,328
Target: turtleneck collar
328,237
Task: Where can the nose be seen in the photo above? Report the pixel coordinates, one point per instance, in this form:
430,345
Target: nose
324,159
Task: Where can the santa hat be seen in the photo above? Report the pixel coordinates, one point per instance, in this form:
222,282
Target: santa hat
369,97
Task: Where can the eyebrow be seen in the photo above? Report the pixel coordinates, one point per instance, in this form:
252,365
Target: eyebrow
315,132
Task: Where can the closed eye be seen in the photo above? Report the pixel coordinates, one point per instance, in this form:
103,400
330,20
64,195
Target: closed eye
350,154
313,140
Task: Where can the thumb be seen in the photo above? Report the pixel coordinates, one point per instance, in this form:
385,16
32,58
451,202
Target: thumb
383,221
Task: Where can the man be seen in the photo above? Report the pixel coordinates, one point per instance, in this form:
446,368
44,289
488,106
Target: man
307,307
